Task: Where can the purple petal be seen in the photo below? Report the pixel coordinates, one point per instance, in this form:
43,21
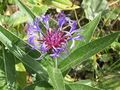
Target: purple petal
46,19
44,48
61,19
73,27
36,21
56,52
34,27
54,55
31,40
78,37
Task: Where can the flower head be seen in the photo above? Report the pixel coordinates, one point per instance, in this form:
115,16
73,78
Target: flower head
54,40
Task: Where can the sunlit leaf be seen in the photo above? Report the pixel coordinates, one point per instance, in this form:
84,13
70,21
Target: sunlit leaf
21,55
93,7
89,28
25,10
80,87
64,7
21,75
9,64
17,18
56,78
86,51
39,10
39,86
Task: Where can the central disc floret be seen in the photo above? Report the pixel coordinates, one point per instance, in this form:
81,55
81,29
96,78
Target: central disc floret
54,39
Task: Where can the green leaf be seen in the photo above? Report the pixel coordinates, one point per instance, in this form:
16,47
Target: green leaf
3,19
60,4
93,7
21,75
19,42
9,64
17,18
15,39
86,51
90,28
80,85
88,31
63,6
3,82
66,2
39,86
112,14
3,6
25,10
19,53
1,59
2,74
56,78
75,86
39,10
110,82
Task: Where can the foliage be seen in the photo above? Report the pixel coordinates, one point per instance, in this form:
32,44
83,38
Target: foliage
96,56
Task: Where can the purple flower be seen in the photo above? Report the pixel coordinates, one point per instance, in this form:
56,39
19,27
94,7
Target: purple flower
55,40
45,19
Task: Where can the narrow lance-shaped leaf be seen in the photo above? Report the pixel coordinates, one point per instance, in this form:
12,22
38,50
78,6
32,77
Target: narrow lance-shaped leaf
42,85
56,78
86,51
88,31
21,74
15,39
75,86
17,18
90,28
39,10
9,64
63,6
67,2
21,55
25,10
3,81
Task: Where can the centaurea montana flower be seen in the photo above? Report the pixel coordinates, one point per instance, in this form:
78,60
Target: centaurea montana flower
56,39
